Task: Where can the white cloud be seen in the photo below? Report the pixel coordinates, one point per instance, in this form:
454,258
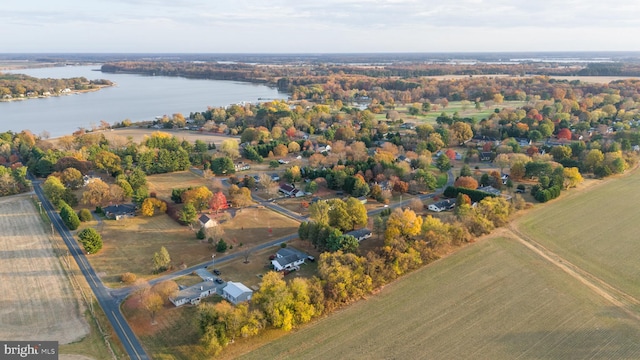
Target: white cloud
319,26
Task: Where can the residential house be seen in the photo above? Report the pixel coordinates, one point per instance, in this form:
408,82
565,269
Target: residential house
119,211
322,149
290,190
193,294
207,222
486,156
363,199
360,234
522,141
490,190
288,258
236,292
442,205
87,179
241,166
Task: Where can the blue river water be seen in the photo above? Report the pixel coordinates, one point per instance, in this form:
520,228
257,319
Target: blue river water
135,97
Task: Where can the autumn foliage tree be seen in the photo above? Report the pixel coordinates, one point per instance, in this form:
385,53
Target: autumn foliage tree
198,196
218,202
149,206
466,182
564,134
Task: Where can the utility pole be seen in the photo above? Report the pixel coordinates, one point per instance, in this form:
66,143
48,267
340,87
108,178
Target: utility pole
213,260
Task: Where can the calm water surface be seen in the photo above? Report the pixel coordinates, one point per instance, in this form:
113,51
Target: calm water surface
134,97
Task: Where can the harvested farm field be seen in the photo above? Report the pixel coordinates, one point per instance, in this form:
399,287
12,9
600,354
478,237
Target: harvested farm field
36,298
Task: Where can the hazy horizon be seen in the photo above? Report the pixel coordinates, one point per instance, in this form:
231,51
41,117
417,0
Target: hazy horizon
311,27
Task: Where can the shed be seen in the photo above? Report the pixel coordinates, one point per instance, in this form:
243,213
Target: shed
236,292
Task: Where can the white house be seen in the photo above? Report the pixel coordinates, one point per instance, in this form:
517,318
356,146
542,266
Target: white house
207,222
193,294
236,292
360,234
442,205
288,259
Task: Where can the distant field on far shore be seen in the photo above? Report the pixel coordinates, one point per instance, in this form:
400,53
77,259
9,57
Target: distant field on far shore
586,79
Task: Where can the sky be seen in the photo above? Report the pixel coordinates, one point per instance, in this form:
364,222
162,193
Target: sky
318,26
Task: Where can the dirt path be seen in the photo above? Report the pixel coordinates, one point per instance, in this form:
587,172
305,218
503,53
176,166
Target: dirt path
615,296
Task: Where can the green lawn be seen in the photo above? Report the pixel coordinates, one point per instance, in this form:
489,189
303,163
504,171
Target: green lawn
492,300
596,230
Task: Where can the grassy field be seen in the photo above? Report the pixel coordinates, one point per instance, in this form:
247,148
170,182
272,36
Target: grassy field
492,300
464,110
129,244
162,184
37,302
595,230
172,336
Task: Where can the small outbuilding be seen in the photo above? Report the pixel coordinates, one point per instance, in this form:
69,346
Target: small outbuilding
207,222
236,292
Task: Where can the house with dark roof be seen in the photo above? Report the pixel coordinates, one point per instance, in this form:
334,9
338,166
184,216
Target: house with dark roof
119,211
290,190
486,156
207,222
360,234
442,205
236,292
287,258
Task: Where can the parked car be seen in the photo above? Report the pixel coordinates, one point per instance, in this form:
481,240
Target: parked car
311,258
219,281
216,272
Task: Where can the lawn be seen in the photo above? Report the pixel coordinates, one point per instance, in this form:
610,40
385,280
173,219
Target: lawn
172,336
259,264
596,230
129,244
162,184
492,300
464,110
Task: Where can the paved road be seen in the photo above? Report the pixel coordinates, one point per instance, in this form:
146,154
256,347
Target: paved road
109,304
110,299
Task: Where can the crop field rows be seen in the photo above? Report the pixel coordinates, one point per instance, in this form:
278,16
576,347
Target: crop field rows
492,300
36,299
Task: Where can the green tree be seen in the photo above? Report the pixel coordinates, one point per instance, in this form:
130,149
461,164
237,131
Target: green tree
222,166
137,179
188,214
90,240
161,260
85,215
443,163
54,190
68,216
593,159
221,246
